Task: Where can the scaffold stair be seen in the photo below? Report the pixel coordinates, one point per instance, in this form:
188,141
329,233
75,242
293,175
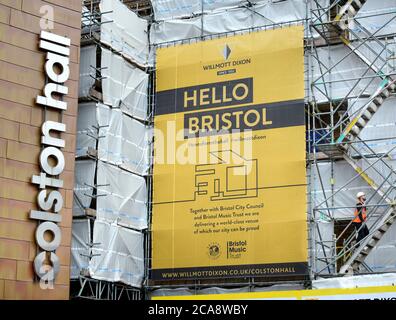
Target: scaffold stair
348,10
344,24
382,224
380,227
359,255
346,13
359,121
366,178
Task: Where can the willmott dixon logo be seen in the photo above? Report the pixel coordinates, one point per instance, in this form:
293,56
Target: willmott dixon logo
226,52
214,250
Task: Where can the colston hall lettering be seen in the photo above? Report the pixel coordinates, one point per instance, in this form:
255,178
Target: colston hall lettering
52,160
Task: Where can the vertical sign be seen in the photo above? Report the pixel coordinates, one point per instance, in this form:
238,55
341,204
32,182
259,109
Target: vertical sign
52,160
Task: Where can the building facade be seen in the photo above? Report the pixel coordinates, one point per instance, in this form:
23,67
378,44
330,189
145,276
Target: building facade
22,79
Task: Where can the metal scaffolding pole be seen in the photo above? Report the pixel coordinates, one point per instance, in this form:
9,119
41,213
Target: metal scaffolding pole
373,168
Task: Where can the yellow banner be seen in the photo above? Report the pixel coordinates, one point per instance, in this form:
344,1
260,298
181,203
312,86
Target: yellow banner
229,186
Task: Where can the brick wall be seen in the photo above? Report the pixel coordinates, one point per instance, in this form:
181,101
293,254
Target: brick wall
21,80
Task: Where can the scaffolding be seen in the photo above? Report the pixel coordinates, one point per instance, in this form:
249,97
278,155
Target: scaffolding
248,283
338,109
338,117
88,288
103,208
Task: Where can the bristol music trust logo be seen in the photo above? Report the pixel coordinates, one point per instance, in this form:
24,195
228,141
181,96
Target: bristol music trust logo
214,250
235,249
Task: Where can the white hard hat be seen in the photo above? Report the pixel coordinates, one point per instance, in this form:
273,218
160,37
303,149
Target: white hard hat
360,194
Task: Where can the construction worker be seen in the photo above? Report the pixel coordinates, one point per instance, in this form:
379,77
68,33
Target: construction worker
360,217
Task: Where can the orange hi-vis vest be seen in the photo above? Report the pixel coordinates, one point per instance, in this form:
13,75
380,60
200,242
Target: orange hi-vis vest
364,215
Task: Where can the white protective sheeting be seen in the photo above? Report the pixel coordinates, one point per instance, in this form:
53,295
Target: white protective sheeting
175,30
168,9
374,280
218,290
119,255
124,31
87,125
279,287
171,292
124,85
378,13
123,140
83,186
347,68
381,127
280,11
89,22
87,71
171,9
379,136
81,233
85,21
379,53
324,234
345,71
383,257
122,197
264,13
382,173
189,292
345,189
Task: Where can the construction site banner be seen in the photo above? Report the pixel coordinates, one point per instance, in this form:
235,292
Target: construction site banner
229,180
